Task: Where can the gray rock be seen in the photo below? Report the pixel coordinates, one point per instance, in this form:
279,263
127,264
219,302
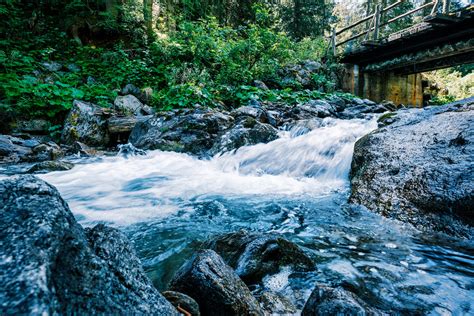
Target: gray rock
312,109
215,286
73,68
130,89
47,151
143,95
182,302
11,151
324,108
327,301
14,149
86,124
312,65
51,265
193,132
130,105
252,111
369,102
276,304
48,166
255,255
337,103
81,149
420,169
260,84
52,66
31,143
300,75
358,101
37,126
127,150
248,132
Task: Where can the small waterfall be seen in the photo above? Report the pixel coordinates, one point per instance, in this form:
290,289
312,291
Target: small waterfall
324,153
133,187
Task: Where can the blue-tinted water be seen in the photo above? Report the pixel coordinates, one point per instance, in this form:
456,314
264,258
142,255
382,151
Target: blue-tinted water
168,203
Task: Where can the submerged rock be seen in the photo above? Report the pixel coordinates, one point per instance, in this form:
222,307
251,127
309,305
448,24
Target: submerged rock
420,169
182,302
327,301
215,286
254,255
48,166
86,124
51,265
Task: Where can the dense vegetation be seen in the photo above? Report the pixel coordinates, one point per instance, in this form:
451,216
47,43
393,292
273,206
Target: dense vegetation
187,52
448,85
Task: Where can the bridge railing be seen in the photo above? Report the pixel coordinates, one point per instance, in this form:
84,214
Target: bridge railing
374,23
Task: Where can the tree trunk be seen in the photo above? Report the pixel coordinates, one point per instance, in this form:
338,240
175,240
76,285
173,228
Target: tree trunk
296,18
111,7
148,17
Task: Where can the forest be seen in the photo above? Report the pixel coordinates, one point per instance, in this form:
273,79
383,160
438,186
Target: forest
184,52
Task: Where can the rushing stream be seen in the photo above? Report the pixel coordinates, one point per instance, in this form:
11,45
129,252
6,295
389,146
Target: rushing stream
167,203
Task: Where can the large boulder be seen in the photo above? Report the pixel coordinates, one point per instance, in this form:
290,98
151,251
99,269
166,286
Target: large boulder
215,286
51,265
247,132
130,105
191,131
86,123
420,168
15,149
328,301
254,255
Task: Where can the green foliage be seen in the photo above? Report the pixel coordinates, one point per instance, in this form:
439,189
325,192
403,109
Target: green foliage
32,91
442,99
450,84
203,62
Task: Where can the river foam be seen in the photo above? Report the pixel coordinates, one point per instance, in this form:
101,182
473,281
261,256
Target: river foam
125,190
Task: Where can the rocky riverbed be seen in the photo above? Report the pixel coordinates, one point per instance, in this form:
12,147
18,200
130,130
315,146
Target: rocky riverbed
242,211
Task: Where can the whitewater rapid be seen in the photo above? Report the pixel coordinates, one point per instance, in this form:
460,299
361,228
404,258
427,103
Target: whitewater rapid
297,187
124,190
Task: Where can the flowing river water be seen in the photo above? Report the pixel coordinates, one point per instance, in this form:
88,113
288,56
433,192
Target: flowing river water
168,203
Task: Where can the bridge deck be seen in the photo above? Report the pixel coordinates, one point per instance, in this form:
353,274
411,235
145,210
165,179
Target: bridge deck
437,33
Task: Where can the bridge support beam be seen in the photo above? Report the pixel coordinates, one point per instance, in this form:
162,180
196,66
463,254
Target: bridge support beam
384,86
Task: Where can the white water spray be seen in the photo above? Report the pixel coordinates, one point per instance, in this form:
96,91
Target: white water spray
124,190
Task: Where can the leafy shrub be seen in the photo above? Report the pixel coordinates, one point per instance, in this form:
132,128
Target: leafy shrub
201,62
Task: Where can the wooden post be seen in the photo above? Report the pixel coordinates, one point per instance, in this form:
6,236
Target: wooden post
376,22
333,41
435,7
446,4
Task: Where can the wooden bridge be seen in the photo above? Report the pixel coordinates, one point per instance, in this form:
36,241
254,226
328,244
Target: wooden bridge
389,66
